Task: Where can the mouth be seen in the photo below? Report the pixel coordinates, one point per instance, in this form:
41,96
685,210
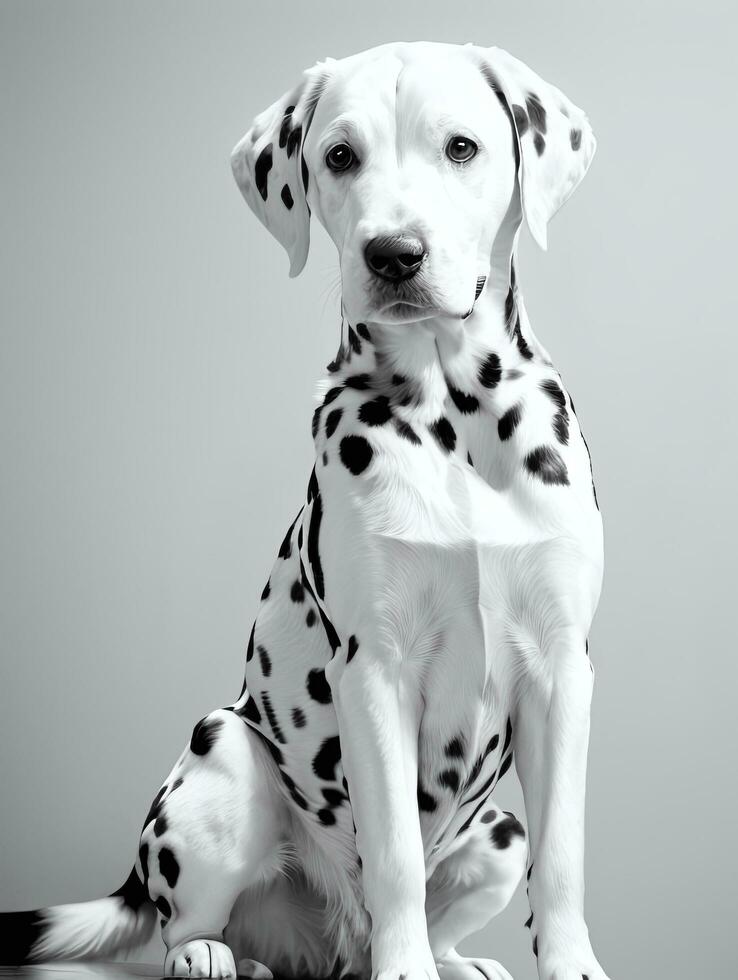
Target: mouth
399,310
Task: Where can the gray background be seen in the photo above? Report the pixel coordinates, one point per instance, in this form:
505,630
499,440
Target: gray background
155,399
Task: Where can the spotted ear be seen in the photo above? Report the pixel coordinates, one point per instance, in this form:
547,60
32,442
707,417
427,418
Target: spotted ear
270,169
555,140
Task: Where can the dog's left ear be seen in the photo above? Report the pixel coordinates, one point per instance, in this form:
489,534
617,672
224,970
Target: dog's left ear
270,170
555,140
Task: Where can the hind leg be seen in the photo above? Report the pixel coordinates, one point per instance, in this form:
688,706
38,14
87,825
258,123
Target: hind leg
470,887
214,829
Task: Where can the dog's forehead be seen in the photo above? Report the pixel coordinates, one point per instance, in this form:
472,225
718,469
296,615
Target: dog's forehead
430,78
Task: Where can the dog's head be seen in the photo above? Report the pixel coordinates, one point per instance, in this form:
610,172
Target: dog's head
412,156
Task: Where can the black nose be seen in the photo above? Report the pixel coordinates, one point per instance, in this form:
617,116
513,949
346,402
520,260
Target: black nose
394,258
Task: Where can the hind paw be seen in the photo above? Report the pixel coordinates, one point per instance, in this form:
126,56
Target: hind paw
455,967
201,958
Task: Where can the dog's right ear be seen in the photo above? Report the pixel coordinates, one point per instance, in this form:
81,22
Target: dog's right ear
270,169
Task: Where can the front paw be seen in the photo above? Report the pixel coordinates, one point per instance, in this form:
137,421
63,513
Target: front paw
407,965
571,961
407,971
200,958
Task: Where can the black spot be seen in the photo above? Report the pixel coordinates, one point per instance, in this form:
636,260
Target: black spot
494,741
399,379
298,718
326,817
293,140
274,751
267,591
505,765
155,807
376,412
575,138
285,549
332,394
561,427
529,873
475,770
466,404
331,423
490,371
363,331
508,736
286,196
318,687
299,798
132,892
305,173
554,392
204,735
521,119
327,758
426,802
443,432
528,922
313,551
539,143
261,170
168,866
160,826
407,432
325,458
360,382
311,617
312,491
509,422
455,748
316,421
297,592
536,112
333,797
164,907
272,718
535,946
250,647
523,348
545,463
449,779
509,305
354,342
251,711
356,454
502,833
143,857
353,646
489,816
284,129
265,661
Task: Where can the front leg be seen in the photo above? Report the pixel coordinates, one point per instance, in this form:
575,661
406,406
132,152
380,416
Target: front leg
378,721
551,737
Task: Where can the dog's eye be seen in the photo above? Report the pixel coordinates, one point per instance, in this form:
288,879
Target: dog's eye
339,158
460,149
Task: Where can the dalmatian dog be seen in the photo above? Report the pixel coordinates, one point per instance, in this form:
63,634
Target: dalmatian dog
427,615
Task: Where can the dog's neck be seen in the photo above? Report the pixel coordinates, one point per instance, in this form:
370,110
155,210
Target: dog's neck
472,362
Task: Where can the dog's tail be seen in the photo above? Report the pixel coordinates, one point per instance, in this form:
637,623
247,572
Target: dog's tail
85,930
